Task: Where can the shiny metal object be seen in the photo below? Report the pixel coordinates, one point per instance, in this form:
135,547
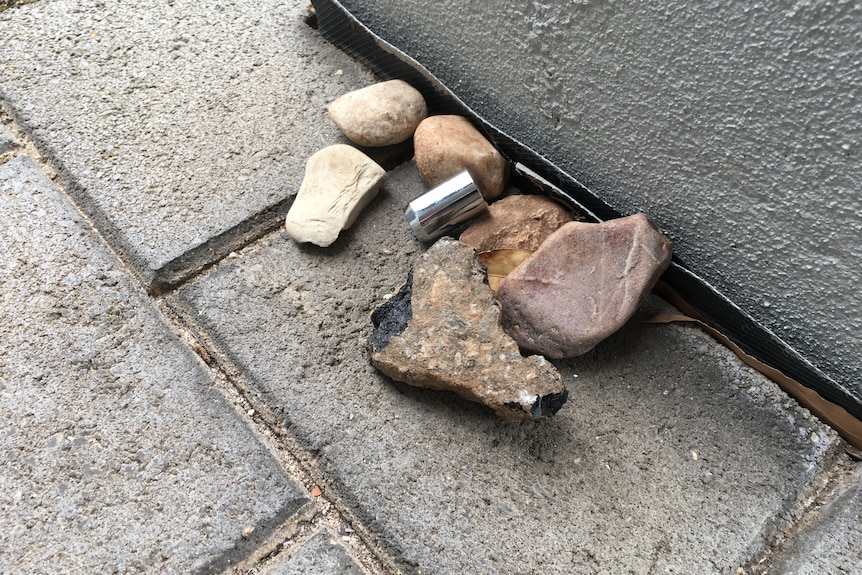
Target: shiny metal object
441,209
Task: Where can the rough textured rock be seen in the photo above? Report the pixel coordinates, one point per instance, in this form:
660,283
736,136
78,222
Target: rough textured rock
451,339
516,223
446,145
339,181
379,115
582,284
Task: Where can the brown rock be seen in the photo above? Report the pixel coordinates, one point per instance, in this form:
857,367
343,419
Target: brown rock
582,285
442,331
379,115
516,223
446,145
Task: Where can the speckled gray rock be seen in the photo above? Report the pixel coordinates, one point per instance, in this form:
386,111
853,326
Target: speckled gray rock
446,145
379,115
582,284
448,337
339,181
520,222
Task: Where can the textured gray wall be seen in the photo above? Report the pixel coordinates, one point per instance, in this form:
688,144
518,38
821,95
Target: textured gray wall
736,125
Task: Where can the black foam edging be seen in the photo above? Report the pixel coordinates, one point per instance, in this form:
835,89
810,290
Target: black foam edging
532,170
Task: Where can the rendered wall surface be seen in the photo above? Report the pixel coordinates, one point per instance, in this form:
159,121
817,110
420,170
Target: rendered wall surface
736,125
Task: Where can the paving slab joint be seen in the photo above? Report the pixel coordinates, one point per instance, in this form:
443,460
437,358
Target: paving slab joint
197,260
827,485
175,272
15,142
258,542
329,507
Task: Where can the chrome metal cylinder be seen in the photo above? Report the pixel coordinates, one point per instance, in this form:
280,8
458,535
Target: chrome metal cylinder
441,209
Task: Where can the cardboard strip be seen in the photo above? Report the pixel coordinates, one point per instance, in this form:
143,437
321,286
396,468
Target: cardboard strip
849,427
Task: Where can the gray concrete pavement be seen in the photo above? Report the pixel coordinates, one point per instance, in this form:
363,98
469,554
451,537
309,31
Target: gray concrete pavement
831,539
322,555
670,455
7,142
120,453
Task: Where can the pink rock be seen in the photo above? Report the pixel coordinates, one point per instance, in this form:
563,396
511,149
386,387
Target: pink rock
582,285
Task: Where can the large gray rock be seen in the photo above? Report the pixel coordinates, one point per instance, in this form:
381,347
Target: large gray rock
442,331
379,115
339,181
446,145
582,285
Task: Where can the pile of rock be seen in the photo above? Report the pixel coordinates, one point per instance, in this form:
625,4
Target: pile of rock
341,180
523,277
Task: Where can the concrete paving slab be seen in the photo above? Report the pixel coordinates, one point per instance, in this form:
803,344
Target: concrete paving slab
173,123
832,541
118,454
670,457
323,554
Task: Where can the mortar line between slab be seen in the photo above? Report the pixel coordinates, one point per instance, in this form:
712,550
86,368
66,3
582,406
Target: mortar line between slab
269,435
179,270
30,148
270,430
192,263
831,479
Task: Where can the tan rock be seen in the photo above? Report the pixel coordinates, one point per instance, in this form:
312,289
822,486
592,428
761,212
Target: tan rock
442,331
339,181
583,283
446,145
379,115
516,223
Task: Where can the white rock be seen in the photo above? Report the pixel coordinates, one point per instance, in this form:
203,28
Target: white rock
339,181
379,115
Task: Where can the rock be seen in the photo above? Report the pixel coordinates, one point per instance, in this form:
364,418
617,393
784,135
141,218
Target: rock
442,331
583,283
339,181
446,145
516,223
379,115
